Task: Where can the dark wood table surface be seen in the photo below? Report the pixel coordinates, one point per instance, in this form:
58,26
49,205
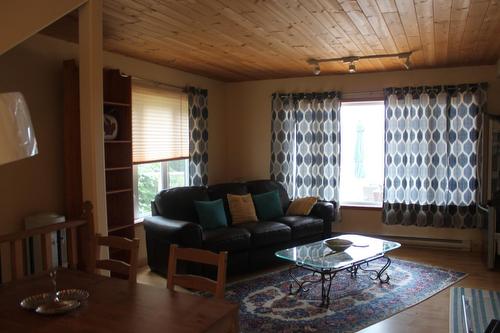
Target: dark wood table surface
115,307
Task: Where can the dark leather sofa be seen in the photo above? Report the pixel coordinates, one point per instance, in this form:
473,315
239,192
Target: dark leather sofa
250,245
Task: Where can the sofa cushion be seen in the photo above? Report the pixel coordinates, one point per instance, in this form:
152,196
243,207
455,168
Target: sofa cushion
303,226
267,233
211,214
241,208
263,186
178,203
226,239
301,206
220,191
268,205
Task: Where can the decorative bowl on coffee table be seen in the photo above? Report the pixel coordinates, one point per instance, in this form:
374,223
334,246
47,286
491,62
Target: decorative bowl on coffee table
337,244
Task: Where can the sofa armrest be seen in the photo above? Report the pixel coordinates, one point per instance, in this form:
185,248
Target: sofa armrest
325,210
184,233
154,210
161,232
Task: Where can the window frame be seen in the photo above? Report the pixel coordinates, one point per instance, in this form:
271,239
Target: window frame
163,181
354,204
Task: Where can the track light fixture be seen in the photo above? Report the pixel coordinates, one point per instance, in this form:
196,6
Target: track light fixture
316,70
315,64
351,60
407,63
352,68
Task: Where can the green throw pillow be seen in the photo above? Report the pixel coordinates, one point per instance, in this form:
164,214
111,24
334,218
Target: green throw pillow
211,214
268,205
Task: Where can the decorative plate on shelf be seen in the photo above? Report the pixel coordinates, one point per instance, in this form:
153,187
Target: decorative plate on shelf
110,127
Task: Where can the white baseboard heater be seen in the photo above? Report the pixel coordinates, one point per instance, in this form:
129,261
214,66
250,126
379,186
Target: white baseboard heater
455,244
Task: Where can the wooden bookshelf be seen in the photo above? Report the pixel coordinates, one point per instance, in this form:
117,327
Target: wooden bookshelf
118,156
118,152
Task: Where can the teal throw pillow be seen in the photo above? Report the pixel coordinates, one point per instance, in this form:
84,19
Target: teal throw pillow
268,205
211,214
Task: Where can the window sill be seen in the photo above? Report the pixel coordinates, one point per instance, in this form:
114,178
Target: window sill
360,207
138,220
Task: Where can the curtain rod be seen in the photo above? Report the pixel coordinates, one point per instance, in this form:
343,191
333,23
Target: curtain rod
157,82
380,91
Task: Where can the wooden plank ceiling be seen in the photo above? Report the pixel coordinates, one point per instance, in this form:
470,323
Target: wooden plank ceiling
237,40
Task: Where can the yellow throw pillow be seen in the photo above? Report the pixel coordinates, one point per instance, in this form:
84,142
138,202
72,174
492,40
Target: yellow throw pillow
301,206
241,208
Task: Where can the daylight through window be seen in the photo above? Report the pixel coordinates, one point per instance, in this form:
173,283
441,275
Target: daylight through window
362,153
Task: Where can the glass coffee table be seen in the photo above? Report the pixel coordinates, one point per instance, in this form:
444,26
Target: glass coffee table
322,261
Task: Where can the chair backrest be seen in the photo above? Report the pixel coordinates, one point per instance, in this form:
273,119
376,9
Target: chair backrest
199,283
118,266
18,242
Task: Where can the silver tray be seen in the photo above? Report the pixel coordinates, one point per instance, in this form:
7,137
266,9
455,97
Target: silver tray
68,299
57,307
33,302
73,294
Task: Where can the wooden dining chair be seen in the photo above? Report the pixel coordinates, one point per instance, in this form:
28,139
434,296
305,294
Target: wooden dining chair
200,283
75,229
118,266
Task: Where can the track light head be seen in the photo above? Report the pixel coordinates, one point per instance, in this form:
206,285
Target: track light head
315,64
316,70
406,57
407,63
352,67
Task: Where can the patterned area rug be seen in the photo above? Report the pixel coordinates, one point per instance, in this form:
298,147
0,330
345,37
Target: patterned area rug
266,306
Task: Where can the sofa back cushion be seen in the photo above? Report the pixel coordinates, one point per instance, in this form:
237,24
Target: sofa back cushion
266,185
220,191
211,214
268,205
178,203
242,208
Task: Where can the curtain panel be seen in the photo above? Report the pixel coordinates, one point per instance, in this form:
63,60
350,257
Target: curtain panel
305,144
198,136
432,167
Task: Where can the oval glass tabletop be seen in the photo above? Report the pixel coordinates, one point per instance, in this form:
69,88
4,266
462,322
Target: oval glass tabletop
318,255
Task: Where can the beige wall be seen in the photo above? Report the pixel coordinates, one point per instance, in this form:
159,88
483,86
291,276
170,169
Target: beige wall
239,126
248,106
35,68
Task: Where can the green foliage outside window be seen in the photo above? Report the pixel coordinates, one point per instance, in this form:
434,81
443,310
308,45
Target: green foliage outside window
147,183
176,173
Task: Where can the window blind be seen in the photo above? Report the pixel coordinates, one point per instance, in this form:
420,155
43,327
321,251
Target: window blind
160,129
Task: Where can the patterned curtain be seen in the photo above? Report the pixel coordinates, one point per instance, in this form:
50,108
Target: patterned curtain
305,144
198,136
283,142
431,155
495,155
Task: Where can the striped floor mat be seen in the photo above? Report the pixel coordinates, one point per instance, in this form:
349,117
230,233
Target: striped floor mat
481,306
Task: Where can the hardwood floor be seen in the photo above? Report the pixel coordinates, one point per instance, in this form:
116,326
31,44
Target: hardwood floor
429,316
432,315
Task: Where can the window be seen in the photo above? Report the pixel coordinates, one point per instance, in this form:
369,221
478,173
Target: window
150,178
160,136
362,153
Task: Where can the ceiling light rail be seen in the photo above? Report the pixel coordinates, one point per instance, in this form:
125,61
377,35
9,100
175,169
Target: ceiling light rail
353,59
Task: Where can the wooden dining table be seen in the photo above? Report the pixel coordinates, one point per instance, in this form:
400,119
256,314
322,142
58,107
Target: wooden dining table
115,307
